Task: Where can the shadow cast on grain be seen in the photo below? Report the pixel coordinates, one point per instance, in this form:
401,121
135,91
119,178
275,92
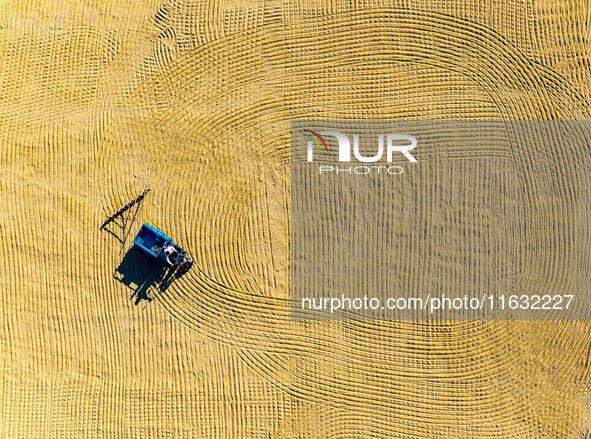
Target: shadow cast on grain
143,273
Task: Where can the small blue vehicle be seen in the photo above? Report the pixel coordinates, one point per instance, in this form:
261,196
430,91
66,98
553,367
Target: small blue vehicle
154,242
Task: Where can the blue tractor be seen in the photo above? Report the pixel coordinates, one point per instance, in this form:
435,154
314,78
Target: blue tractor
157,244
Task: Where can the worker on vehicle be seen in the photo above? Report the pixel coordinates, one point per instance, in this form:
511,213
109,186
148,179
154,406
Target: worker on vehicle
169,250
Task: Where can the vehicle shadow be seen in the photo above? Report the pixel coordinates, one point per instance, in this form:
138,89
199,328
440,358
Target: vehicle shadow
145,275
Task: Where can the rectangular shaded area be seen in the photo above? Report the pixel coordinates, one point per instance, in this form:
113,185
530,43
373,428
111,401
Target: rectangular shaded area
491,221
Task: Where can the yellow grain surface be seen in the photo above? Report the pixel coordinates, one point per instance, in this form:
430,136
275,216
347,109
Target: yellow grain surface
100,99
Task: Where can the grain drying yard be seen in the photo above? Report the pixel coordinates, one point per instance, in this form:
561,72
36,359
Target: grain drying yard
100,100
